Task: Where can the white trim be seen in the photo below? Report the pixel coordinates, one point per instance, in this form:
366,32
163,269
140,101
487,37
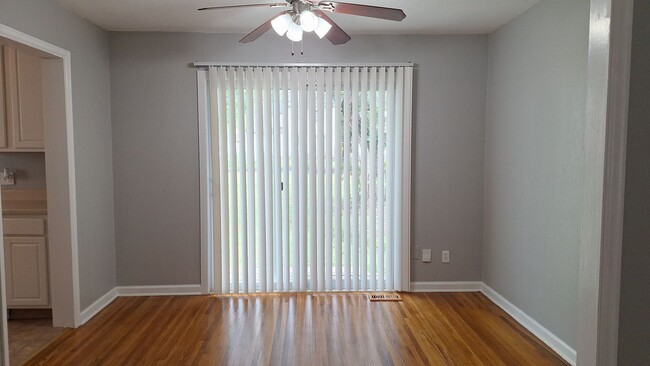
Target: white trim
538,330
98,306
72,182
133,291
164,290
545,335
405,211
614,182
610,37
258,64
4,331
446,286
207,266
26,39
72,318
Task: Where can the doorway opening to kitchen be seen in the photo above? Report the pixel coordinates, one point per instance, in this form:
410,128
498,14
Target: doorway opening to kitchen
38,263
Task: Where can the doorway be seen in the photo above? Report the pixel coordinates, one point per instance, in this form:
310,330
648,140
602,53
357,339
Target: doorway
60,196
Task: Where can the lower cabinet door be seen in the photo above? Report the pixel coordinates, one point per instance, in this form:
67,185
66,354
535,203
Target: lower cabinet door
26,271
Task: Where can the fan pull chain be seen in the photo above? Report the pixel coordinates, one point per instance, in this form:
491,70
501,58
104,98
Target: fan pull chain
292,53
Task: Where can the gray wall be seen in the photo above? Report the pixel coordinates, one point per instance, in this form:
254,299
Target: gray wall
534,161
634,333
29,169
155,145
89,47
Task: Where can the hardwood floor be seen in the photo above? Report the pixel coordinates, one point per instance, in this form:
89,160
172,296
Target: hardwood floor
300,329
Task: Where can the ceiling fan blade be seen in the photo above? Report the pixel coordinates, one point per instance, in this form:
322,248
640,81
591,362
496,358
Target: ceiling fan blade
273,5
364,10
259,31
336,35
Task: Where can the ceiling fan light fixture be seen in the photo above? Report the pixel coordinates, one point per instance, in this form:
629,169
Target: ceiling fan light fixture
323,27
309,16
294,33
308,21
281,24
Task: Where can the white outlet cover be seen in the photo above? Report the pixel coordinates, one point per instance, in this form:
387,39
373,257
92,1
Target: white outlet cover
445,256
426,255
9,181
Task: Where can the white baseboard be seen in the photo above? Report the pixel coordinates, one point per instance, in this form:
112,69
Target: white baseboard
546,336
452,286
159,290
97,306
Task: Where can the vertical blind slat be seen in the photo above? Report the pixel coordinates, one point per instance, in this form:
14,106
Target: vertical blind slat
223,181
259,167
320,140
372,169
337,156
277,183
363,159
397,234
268,187
295,216
302,155
347,94
328,176
390,151
241,122
217,216
354,167
311,177
284,140
250,179
232,184
380,179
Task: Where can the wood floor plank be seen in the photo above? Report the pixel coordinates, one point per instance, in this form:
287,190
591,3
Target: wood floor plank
300,329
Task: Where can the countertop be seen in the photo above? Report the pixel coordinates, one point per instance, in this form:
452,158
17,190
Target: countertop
24,202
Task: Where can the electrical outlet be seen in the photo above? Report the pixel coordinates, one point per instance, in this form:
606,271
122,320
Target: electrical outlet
7,177
426,255
445,256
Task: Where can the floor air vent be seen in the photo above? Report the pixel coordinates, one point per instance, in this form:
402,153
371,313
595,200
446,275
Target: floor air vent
384,296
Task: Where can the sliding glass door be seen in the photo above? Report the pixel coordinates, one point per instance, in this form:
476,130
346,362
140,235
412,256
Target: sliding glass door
307,171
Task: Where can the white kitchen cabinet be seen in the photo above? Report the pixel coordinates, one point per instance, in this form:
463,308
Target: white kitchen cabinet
21,124
26,271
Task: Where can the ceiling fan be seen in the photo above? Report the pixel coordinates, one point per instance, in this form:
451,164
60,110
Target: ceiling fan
309,16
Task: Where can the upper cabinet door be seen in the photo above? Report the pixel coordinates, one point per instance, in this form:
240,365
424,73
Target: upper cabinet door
24,101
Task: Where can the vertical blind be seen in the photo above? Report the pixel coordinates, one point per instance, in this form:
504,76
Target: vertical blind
306,167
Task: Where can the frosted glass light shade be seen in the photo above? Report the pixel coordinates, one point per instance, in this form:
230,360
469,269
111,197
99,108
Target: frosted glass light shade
308,21
322,28
281,24
294,33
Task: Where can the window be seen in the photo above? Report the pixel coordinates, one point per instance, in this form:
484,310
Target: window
308,166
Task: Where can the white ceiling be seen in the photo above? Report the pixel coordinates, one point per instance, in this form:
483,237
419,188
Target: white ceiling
422,16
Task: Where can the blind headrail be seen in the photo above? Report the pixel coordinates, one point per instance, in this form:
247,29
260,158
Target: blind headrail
290,65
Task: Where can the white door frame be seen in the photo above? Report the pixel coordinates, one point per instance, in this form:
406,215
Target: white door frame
610,37
61,193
